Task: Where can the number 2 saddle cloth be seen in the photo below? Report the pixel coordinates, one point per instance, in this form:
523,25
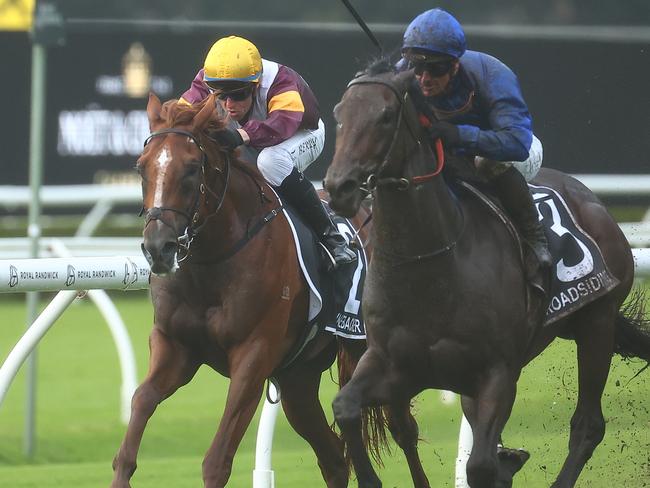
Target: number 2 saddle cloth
335,296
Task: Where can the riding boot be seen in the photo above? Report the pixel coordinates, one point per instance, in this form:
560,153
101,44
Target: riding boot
301,194
512,190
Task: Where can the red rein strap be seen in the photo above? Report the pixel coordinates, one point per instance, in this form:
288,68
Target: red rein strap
440,155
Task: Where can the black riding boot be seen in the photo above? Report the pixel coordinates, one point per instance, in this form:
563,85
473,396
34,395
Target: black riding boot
512,190
301,194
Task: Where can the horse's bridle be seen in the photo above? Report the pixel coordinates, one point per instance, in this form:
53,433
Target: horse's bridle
402,184
191,230
374,180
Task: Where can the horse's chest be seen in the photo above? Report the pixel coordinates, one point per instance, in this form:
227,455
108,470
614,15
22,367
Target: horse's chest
404,297
212,325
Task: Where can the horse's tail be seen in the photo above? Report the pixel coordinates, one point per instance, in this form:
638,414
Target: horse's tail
373,419
633,328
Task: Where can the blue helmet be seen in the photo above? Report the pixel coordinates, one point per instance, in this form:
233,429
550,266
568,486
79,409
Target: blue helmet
436,31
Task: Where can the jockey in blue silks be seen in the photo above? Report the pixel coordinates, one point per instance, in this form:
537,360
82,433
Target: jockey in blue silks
481,113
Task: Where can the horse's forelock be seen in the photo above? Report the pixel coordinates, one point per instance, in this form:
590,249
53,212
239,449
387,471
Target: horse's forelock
379,66
176,114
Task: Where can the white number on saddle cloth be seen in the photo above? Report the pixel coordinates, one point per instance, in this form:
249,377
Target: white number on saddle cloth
352,305
565,273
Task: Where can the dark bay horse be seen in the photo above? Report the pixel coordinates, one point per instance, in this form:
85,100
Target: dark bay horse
235,300
446,302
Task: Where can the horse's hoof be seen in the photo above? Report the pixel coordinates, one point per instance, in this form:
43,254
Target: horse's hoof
510,462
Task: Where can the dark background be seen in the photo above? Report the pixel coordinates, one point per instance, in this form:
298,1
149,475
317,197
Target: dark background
533,12
589,98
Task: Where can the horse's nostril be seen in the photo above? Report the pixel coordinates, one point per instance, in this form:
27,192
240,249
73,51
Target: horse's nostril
168,250
146,253
348,187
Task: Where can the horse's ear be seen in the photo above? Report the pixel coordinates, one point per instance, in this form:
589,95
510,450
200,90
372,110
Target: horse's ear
153,110
205,115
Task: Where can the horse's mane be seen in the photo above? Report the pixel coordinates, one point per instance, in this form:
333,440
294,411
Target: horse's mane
176,114
385,66
380,66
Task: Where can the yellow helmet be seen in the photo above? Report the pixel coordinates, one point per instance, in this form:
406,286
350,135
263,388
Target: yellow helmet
233,59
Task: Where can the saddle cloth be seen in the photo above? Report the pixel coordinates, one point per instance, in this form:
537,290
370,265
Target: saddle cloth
335,297
579,272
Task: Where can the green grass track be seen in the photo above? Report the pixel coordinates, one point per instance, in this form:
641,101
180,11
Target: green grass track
79,430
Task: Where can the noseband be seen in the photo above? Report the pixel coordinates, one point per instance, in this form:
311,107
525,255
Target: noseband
402,184
374,180
192,216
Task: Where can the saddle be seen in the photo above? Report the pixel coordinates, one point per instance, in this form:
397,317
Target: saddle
335,296
579,274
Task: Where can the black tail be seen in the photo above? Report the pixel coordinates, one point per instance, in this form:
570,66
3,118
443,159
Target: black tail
633,328
374,420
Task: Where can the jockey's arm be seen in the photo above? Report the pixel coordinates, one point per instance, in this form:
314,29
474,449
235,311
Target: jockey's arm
509,135
279,126
285,108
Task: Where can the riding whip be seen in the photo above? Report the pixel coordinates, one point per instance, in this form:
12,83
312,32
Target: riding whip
363,25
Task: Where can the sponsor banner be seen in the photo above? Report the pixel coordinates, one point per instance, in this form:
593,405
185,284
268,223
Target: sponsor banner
90,273
98,83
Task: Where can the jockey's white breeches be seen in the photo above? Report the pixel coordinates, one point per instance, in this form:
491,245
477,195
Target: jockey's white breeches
299,151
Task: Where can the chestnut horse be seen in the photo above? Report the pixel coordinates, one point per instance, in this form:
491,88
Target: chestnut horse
228,292
446,301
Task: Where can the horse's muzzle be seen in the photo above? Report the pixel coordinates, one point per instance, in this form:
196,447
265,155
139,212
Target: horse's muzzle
345,195
161,256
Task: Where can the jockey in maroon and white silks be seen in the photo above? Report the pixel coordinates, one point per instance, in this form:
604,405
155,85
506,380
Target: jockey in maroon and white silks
283,104
274,121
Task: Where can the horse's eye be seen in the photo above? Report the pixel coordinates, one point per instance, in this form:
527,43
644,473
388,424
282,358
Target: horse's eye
386,117
191,170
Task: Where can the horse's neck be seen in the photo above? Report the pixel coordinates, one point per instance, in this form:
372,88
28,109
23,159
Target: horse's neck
420,219
231,223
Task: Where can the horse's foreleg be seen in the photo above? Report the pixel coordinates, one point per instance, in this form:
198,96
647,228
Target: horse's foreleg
404,429
488,414
595,342
368,387
248,371
170,367
305,414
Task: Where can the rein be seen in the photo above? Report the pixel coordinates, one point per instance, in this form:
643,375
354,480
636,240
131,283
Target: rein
401,184
185,240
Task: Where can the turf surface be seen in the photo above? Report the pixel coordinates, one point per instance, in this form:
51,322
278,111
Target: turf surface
79,429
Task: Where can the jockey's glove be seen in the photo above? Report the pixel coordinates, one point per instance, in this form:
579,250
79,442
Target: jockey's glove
228,138
449,133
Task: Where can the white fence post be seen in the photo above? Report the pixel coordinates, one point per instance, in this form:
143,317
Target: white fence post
263,476
31,338
120,336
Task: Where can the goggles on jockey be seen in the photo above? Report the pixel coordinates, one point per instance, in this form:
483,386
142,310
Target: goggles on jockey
236,96
237,93
433,64
435,69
